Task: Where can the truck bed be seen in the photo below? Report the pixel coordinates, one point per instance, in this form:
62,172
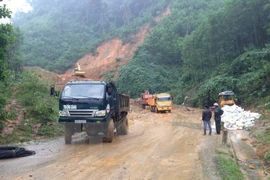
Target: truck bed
123,103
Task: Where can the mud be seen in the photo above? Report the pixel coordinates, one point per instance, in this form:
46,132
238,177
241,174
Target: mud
158,146
252,167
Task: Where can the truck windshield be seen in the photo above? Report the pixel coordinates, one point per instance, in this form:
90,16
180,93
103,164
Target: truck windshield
163,99
83,91
226,98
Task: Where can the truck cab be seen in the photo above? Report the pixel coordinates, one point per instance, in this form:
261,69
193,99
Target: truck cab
160,102
226,98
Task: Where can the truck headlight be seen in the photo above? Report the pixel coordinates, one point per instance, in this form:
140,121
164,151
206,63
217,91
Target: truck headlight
100,113
63,113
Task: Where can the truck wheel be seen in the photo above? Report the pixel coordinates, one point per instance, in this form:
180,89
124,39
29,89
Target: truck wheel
68,133
170,111
143,106
123,128
110,132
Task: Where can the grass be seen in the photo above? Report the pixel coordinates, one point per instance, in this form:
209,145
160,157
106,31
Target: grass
228,169
24,132
264,138
267,157
221,152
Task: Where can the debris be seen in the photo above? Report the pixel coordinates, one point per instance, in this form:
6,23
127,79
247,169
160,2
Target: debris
13,151
234,117
251,166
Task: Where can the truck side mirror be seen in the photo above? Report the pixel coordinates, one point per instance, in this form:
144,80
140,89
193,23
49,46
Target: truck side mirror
54,92
109,91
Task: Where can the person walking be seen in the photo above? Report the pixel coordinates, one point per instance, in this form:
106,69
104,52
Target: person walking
206,117
217,116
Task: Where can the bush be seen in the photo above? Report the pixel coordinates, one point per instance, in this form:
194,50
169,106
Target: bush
208,92
34,94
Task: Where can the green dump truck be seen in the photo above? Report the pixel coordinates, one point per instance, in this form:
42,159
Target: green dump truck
94,107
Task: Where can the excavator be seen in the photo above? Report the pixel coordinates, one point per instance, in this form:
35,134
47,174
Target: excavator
78,71
226,98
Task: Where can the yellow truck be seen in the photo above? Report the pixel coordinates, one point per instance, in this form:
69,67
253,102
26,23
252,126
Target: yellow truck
160,102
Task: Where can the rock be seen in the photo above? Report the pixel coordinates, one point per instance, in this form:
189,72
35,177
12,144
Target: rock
251,166
262,174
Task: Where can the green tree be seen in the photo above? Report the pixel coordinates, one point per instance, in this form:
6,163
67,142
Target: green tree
5,39
13,56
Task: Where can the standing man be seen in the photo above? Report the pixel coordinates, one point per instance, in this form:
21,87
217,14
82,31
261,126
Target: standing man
217,116
206,117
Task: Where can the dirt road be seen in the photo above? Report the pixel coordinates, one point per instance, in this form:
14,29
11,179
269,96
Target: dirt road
158,146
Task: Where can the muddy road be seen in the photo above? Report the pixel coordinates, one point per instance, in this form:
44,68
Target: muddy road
158,146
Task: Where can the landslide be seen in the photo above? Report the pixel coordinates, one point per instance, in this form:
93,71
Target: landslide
106,58
110,56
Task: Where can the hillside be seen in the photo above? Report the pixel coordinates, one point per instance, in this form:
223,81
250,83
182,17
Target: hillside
105,60
191,52
110,56
57,34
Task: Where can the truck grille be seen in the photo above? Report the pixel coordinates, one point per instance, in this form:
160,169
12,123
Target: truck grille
82,112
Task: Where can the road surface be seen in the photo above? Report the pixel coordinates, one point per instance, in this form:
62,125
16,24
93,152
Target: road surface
158,146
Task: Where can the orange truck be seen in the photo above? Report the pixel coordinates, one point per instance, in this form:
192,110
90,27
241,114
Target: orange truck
144,98
160,102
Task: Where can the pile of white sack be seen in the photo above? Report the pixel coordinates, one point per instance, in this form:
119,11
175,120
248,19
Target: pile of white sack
234,117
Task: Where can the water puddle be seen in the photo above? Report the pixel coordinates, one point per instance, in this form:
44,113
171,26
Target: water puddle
188,125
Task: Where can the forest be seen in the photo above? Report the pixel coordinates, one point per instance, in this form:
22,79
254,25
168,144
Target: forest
202,48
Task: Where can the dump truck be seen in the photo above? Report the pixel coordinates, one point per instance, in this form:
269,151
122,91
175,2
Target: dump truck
160,102
144,98
78,72
226,98
94,107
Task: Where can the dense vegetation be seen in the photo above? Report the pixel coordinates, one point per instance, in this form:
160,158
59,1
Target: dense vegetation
25,88
57,33
202,48
6,38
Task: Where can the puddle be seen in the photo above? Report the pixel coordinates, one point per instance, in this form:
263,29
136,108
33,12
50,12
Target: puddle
188,125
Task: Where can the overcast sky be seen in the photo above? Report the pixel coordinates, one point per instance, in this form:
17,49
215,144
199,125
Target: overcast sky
16,5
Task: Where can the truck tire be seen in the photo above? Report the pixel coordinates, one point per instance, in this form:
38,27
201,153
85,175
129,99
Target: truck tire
68,133
156,110
110,133
125,126
122,129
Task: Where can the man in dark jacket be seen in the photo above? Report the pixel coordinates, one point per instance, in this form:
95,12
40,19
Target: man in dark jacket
217,116
206,117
